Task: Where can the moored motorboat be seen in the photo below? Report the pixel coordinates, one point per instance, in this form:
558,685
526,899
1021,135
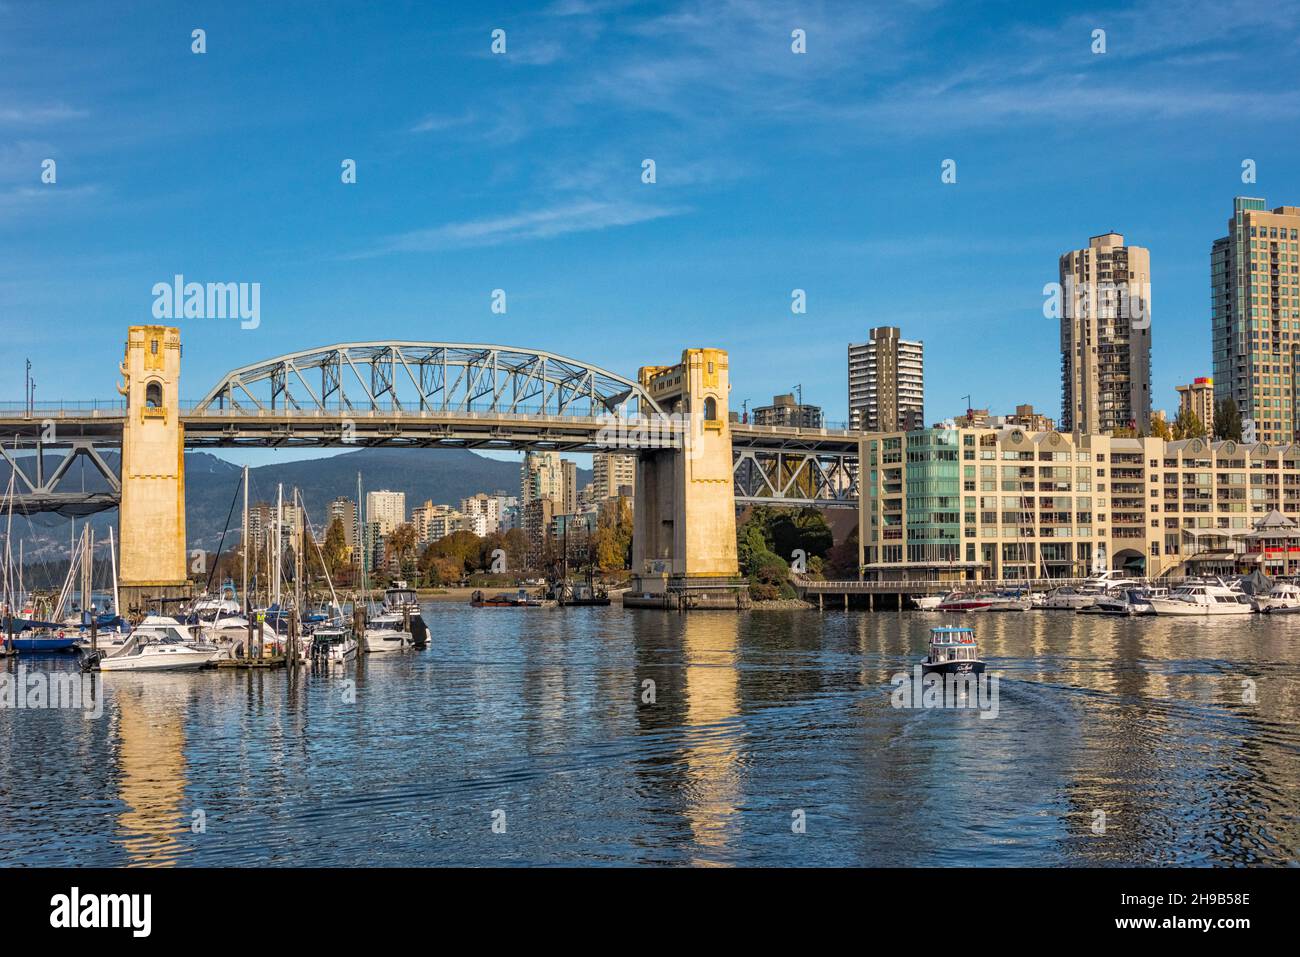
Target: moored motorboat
952,651
928,602
334,644
155,647
377,640
983,601
1068,598
1200,598
1283,596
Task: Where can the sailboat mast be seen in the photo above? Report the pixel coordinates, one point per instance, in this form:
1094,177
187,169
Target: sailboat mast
297,557
243,545
279,520
112,564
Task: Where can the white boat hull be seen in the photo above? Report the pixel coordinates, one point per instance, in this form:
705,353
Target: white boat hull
383,640
180,660
1172,606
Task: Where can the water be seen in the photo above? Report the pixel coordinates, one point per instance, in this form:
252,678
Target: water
538,713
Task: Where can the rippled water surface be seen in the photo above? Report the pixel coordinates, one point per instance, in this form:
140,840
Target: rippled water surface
535,718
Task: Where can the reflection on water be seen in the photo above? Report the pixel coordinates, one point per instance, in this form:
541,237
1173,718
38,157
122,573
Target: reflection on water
150,758
600,736
709,653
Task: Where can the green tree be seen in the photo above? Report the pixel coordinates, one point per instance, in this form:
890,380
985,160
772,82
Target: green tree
1227,420
1188,425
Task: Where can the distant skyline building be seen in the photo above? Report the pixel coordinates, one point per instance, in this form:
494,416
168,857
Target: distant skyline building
784,410
386,509
1105,336
610,473
568,486
1198,398
482,512
344,510
1255,316
886,382
541,476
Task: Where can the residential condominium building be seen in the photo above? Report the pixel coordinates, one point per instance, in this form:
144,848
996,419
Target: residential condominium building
610,473
344,510
1198,398
386,509
541,476
1105,336
483,513
784,410
976,504
1255,317
886,382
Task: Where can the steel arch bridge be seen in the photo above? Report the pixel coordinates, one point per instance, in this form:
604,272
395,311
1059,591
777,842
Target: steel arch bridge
427,377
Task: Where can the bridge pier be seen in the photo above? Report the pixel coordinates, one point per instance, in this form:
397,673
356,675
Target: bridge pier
152,516
684,531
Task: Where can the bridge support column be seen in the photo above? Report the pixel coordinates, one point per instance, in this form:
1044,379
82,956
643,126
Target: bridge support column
152,516
684,532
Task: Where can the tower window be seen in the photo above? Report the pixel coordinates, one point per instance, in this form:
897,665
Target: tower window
711,409
153,395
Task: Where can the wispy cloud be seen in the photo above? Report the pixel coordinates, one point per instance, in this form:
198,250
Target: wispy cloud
36,115
546,223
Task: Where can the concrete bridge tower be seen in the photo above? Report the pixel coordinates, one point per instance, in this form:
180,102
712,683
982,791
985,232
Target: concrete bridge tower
152,515
684,532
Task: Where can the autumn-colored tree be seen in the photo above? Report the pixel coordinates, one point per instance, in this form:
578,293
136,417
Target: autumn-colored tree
1160,428
462,547
335,549
611,543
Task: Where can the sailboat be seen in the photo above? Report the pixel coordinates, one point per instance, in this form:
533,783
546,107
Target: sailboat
331,639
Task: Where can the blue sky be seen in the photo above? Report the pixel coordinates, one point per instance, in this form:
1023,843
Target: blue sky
522,171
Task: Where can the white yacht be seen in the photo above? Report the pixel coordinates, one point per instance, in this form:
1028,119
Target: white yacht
928,602
1202,598
1283,596
1131,601
1069,598
158,647
378,639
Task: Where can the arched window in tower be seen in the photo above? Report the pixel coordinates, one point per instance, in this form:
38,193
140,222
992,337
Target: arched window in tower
153,395
711,409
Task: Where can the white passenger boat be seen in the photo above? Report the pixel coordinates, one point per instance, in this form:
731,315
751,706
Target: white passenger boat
928,602
1201,598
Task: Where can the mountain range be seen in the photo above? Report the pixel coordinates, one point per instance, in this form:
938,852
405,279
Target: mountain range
444,476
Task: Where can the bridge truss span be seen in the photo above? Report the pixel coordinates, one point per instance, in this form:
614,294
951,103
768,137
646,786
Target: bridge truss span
778,465
427,378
